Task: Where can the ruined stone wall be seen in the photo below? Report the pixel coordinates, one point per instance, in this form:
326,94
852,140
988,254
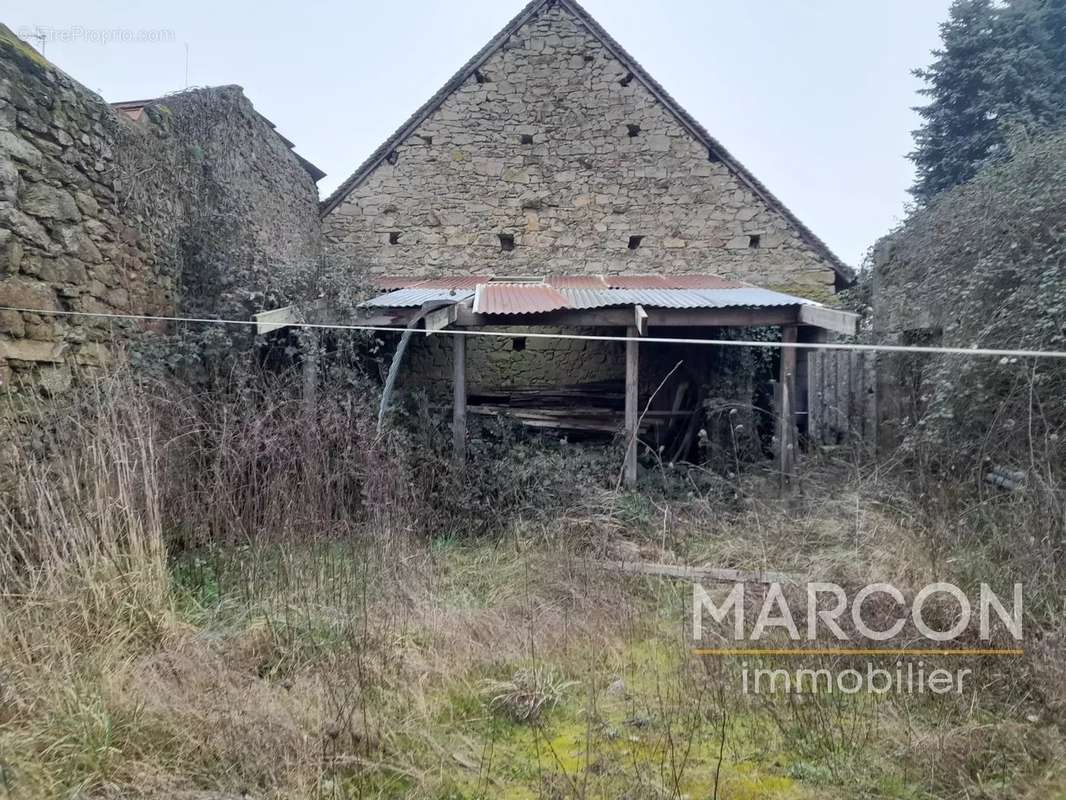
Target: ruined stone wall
541,148
199,206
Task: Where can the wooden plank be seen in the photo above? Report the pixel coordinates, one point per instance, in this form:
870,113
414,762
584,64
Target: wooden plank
829,319
459,396
815,365
861,357
632,383
682,572
786,421
440,319
640,320
823,389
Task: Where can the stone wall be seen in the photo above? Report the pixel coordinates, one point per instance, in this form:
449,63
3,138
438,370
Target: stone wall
197,206
538,146
498,362
543,145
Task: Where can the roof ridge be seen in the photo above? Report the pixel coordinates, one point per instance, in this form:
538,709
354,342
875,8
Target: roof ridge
688,121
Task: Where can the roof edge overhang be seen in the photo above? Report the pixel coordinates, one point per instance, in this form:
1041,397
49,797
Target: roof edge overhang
845,274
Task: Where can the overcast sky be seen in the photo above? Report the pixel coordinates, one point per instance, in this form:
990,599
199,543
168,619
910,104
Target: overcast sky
814,96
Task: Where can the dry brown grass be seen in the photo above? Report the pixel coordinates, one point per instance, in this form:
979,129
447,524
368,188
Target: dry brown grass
328,647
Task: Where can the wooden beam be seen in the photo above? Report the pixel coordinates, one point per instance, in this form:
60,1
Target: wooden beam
459,396
829,319
640,320
632,384
440,319
624,317
786,422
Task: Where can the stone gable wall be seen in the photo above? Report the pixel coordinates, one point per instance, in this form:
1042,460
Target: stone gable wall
196,207
575,193
571,197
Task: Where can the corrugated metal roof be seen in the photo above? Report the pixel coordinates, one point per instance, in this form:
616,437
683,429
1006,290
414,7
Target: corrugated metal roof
518,298
636,282
454,282
702,282
581,292
679,298
412,298
389,282
576,281
422,282
671,282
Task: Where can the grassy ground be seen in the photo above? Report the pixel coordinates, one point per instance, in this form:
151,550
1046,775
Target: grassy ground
396,667
347,636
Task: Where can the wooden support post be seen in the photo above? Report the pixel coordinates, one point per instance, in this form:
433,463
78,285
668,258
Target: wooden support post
459,396
632,382
309,362
786,423
640,319
815,364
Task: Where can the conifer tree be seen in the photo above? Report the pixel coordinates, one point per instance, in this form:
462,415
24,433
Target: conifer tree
959,130
1000,73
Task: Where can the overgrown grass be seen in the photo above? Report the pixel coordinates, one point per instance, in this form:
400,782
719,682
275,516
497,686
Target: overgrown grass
217,599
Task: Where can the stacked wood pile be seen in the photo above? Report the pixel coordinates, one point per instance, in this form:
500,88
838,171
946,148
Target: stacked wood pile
592,410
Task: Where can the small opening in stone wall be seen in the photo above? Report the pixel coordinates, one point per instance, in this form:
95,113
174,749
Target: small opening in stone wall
425,139
526,138
481,77
755,241
589,58
634,242
633,130
506,242
394,237
628,79
518,344
392,157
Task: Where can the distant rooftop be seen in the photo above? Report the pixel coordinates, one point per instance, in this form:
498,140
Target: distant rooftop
134,109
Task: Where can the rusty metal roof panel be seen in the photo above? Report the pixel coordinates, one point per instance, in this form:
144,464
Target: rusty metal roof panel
702,282
423,282
395,282
454,282
577,281
518,298
672,282
413,298
636,282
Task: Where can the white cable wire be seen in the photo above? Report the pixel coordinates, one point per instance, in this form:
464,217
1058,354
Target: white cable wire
870,348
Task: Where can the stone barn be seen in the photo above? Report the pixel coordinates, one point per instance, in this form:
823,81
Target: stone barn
552,162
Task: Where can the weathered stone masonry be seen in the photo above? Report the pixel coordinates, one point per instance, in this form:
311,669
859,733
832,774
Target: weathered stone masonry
576,193
199,206
554,142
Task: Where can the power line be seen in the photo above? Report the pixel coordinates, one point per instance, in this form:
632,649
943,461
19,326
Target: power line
868,348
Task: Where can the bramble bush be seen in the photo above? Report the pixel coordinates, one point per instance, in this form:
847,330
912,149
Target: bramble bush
987,262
